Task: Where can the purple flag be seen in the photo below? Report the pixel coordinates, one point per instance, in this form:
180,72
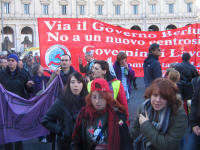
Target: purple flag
20,118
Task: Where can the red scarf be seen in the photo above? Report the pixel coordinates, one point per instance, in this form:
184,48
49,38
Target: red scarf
113,124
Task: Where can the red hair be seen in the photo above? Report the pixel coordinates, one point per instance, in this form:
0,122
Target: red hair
166,89
113,127
109,99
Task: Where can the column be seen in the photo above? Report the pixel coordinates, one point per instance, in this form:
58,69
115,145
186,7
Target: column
36,36
17,37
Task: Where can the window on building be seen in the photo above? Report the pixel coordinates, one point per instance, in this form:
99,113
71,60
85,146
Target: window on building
26,9
171,8
100,9
64,9
6,8
45,9
117,9
153,8
82,9
135,9
189,7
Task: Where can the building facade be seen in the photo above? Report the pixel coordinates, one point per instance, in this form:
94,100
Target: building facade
19,17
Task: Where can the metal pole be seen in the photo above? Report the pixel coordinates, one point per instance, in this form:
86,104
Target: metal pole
2,23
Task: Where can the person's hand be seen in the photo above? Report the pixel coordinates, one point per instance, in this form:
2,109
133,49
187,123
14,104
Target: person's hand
196,130
87,79
29,84
80,60
57,71
126,66
143,118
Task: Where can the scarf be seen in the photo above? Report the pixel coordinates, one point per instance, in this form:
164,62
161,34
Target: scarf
113,128
141,142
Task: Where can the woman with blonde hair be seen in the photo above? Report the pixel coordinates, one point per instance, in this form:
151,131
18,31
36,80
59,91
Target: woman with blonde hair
174,75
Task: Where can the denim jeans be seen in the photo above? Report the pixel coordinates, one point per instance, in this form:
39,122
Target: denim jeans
193,142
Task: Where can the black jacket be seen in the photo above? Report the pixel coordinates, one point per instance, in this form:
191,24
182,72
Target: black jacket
16,82
195,106
60,119
187,73
79,141
152,69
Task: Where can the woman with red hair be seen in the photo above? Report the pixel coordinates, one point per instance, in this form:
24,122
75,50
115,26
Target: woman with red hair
101,125
161,121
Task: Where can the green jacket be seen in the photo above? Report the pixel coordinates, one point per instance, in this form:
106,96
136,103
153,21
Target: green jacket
169,141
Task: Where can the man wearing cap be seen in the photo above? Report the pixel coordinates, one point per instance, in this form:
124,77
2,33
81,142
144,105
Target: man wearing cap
30,54
88,68
151,66
15,80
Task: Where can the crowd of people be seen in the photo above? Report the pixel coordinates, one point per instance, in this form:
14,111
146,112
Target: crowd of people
91,111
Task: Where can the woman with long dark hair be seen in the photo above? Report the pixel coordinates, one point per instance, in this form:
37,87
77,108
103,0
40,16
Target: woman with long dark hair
101,124
161,121
60,118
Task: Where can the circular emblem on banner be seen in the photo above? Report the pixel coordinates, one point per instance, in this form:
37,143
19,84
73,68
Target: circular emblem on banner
53,55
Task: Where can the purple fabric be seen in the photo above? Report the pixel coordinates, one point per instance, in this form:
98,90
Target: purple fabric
130,77
20,118
39,81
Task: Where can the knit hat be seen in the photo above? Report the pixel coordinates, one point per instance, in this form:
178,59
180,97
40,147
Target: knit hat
29,53
14,56
100,84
